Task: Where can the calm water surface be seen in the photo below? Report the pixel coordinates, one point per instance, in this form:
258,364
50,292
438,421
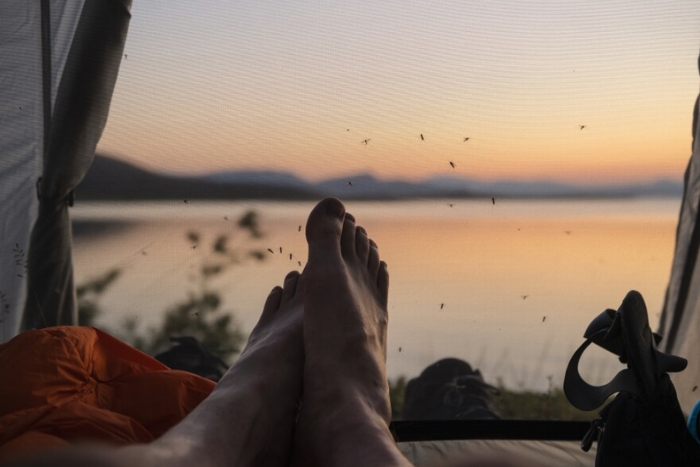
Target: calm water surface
508,287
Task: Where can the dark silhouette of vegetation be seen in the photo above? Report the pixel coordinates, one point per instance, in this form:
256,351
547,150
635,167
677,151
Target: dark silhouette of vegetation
397,394
199,315
89,296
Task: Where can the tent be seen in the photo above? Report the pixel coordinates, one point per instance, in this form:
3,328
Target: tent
58,66
59,61
680,318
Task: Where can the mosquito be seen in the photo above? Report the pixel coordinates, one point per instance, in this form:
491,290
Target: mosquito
466,139
366,141
270,250
452,164
582,127
421,137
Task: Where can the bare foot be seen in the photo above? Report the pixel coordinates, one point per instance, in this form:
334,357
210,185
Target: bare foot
249,418
346,411
273,362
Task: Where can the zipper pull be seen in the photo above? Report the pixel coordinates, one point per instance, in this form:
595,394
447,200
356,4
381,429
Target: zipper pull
597,427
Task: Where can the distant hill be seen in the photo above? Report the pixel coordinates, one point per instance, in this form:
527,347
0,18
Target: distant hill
112,179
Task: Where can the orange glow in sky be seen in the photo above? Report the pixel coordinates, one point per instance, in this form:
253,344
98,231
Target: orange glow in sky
298,87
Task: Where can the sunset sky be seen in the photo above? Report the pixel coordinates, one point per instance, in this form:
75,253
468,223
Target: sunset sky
298,85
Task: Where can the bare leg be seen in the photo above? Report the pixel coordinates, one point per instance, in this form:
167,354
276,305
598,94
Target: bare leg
248,420
346,411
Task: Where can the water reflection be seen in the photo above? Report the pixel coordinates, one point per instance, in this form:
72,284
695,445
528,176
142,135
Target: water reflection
508,288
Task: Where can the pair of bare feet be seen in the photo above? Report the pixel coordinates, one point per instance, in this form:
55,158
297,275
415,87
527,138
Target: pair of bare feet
310,388
332,321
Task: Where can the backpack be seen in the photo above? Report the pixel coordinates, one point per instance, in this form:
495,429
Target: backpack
189,354
644,425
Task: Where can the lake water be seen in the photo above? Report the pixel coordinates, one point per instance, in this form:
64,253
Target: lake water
508,287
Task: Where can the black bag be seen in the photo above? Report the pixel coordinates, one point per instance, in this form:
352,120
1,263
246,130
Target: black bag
189,354
644,424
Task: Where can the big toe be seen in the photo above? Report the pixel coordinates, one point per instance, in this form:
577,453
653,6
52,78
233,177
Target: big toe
324,227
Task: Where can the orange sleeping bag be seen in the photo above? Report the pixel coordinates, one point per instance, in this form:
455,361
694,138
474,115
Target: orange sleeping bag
66,384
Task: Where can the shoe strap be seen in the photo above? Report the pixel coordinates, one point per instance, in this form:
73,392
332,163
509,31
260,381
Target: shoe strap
605,331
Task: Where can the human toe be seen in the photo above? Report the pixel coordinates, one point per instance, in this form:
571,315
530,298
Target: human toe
290,287
362,245
383,284
324,228
373,259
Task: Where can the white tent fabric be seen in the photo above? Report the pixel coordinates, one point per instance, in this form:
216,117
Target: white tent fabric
21,147
58,65
680,318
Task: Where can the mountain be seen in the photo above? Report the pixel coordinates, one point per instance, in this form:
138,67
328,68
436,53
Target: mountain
366,186
109,178
551,189
258,177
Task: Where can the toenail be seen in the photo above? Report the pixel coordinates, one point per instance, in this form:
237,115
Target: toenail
362,230
335,208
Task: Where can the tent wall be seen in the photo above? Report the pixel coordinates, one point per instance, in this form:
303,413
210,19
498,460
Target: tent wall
21,148
58,65
680,318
